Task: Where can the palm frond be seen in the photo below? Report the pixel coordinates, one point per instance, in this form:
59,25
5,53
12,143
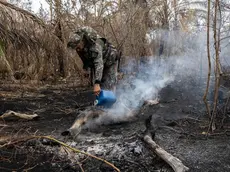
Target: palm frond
21,26
28,38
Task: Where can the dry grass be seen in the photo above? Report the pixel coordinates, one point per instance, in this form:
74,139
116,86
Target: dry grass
31,50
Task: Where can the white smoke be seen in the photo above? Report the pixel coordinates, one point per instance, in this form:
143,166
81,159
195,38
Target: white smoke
185,60
189,62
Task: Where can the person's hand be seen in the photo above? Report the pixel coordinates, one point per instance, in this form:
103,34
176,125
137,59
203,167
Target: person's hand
96,89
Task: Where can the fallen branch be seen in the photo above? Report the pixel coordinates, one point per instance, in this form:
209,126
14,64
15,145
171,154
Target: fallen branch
174,162
10,113
3,125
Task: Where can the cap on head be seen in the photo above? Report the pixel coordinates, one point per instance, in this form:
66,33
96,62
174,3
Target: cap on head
74,39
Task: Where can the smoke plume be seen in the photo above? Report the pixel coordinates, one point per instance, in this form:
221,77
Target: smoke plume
184,61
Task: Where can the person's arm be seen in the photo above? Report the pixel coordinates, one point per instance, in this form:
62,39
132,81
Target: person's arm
99,66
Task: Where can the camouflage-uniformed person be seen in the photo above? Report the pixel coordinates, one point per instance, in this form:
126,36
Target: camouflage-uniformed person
97,53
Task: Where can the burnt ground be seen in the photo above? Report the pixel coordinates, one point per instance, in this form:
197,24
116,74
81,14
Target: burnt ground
180,117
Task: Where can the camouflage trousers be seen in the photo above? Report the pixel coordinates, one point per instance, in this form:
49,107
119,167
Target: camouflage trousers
109,78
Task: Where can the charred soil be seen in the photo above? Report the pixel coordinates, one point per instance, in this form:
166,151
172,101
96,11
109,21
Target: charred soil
180,122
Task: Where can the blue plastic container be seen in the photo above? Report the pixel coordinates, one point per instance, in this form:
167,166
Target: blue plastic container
106,99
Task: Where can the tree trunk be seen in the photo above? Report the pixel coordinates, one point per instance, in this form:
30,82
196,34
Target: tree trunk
217,66
59,33
209,61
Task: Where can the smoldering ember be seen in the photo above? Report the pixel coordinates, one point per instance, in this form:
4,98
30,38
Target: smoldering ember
114,86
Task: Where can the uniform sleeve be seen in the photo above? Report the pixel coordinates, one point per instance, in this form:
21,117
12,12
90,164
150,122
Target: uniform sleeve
98,62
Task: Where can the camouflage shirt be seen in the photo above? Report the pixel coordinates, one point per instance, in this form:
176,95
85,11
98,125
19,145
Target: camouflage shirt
99,53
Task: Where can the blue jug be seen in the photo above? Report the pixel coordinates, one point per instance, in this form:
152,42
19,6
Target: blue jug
106,99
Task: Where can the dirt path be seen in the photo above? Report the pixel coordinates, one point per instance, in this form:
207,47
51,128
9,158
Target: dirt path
121,144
